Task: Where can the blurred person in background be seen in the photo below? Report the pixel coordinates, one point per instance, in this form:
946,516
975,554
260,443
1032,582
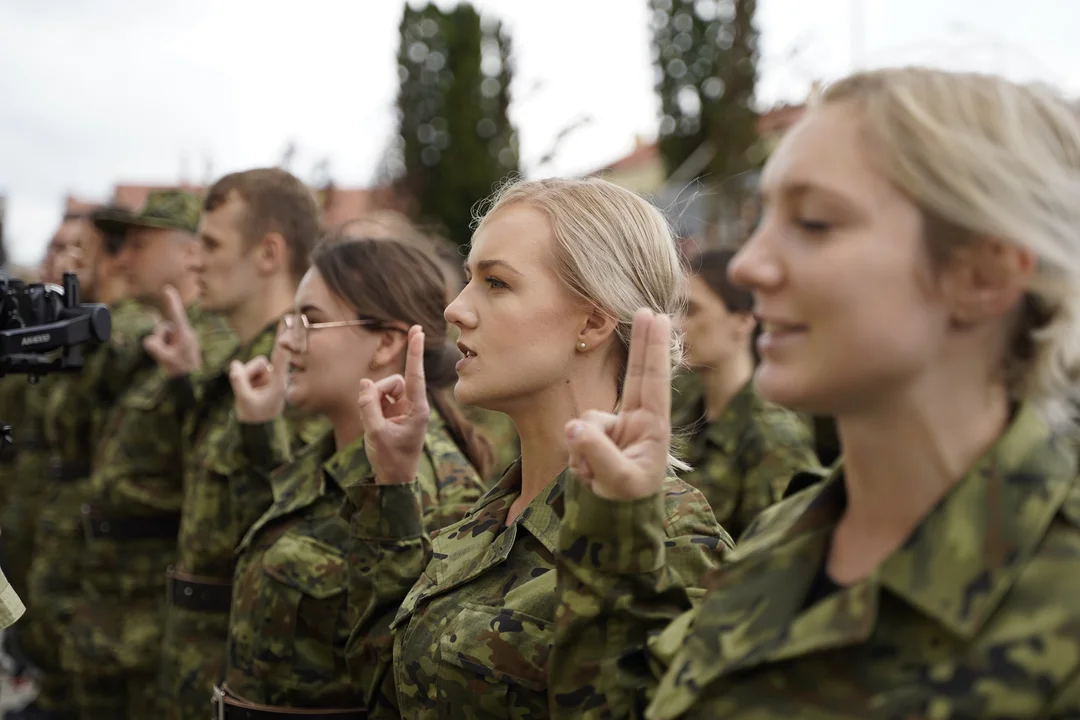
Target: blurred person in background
73,408
257,230
742,449
131,515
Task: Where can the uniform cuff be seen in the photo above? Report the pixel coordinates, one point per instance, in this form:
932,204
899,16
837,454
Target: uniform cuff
386,512
265,445
612,536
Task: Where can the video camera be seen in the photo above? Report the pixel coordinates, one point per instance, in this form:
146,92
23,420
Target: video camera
42,329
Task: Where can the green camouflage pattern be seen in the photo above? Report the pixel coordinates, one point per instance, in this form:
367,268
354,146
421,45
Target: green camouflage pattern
12,412
224,494
473,636
74,408
292,614
165,209
24,482
974,617
743,460
113,643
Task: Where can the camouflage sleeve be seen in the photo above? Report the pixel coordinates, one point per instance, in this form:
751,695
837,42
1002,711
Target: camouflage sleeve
785,447
389,552
266,446
625,571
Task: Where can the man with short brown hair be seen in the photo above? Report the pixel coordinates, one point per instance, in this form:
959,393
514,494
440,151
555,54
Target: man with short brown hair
257,232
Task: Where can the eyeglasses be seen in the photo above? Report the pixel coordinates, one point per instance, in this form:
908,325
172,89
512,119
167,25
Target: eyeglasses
295,327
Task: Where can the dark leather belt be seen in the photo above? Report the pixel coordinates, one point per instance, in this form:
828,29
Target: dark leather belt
231,707
211,595
61,471
97,526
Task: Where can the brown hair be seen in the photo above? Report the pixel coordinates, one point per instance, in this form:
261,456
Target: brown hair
275,201
399,283
712,267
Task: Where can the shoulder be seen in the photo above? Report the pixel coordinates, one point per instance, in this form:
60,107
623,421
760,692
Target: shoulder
778,520
449,465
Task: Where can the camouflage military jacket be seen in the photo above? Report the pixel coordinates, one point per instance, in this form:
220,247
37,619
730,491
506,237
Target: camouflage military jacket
292,614
138,467
974,617
223,493
472,637
742,461
11,607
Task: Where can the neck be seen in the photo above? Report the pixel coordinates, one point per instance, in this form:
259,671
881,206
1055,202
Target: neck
348,426
722,383
265,306
900,460
541,427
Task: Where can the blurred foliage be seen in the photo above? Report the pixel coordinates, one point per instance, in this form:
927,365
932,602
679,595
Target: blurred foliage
455,142
705,53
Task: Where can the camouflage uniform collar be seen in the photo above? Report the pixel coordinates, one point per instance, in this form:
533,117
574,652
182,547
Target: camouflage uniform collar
723,432
261,344
955,569
348,465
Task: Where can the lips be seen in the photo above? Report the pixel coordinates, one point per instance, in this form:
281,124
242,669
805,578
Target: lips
467,351
776,334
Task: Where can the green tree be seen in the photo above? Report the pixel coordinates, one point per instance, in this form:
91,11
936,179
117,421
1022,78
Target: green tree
706,53
455,141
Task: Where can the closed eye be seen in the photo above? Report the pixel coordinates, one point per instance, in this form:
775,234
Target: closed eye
815,226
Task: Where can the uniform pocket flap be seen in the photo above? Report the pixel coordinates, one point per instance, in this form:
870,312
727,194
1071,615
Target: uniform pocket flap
314,568
500,644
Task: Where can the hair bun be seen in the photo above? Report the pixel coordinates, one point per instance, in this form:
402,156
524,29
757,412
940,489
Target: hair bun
440,365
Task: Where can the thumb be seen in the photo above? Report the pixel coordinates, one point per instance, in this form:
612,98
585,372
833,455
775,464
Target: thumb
239,380
593,449
155,344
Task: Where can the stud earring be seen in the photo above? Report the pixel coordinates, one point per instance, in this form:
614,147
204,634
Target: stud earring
581,346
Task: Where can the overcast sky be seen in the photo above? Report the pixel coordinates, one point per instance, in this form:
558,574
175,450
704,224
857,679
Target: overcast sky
93,92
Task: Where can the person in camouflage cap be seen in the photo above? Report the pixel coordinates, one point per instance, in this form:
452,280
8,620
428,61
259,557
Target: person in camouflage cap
73,409
544,329
910,291
742,450
130,516
286,648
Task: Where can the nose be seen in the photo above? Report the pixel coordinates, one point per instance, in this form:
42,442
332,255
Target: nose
459,312
757,266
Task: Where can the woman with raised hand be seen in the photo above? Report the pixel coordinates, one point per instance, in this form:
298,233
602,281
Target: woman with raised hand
917,275
556,270
367,311
742,449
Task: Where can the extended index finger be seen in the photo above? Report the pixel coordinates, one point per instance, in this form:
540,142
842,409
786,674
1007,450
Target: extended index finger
656,380
415,381
635,363
174,308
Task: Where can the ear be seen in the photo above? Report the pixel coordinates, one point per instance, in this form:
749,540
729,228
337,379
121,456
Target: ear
596,330
987,280
271,254
390,351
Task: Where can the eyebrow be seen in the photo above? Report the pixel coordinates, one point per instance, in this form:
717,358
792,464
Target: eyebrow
488,264
796,191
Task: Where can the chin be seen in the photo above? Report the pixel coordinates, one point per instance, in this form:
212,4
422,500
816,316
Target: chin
467,392
782,387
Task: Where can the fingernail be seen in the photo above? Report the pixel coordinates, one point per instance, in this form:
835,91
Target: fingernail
575,430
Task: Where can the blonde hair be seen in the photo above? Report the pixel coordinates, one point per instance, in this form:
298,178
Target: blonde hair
612,248
987,158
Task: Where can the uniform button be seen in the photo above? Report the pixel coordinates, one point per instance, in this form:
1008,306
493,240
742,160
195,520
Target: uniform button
188,591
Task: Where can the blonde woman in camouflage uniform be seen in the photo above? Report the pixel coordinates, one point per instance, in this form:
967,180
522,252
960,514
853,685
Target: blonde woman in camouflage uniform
917,274
742,449
292,602
556,269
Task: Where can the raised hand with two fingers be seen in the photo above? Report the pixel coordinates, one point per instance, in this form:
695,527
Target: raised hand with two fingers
624,455
173,344
395,413
259,386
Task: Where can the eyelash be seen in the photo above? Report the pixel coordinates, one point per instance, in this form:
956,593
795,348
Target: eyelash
814,226
495,283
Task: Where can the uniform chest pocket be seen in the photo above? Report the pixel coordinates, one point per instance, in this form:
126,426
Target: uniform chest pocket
493,661
300,624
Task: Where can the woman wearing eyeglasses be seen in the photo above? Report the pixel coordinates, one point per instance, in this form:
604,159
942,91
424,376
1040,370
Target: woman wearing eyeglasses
361,309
